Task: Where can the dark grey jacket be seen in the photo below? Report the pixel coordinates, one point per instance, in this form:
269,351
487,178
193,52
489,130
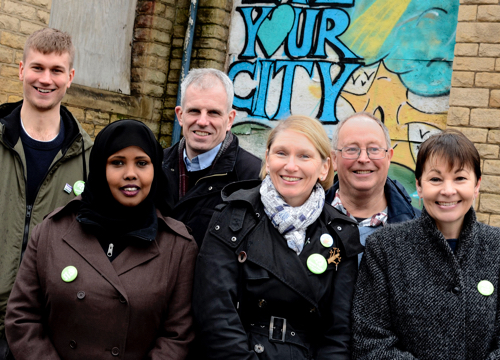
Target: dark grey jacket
195,209
416,299
234,300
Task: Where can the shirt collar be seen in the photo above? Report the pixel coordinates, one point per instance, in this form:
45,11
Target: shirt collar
201,161
374,221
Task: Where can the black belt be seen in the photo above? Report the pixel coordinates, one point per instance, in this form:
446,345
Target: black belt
278,330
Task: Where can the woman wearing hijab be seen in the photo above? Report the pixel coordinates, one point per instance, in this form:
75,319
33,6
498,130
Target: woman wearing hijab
108,275
276,271
428,288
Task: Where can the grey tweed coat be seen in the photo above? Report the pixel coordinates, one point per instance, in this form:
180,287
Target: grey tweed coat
415,299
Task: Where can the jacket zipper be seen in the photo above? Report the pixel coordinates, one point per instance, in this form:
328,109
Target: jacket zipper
110,250
29,207
209,176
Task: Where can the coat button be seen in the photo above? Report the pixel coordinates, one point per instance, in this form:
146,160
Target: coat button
122,299
339,228
210,188
242,257
172,169
258,348
261,303
115,351
233,239
217,227
80,295
455,290
72,344
257,214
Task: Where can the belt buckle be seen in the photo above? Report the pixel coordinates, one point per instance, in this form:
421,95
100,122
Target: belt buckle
271,330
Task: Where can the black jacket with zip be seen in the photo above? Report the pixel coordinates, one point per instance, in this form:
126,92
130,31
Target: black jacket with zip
17,218
247,280
195,209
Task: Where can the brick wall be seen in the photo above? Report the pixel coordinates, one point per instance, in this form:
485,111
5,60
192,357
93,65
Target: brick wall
159,31
475,95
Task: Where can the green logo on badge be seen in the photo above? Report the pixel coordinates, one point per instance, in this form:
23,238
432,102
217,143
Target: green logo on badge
69,274
78,187
316,263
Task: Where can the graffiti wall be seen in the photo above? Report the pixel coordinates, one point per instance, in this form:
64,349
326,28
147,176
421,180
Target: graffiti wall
331,58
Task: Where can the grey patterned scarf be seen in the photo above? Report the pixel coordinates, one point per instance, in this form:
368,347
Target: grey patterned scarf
291,222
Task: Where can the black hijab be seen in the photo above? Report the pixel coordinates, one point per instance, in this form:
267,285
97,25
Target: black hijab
99,208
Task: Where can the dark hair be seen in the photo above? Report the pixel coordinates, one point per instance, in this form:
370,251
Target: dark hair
453,147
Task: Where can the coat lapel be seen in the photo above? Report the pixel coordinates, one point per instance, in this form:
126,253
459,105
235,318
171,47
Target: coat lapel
134,256
89,248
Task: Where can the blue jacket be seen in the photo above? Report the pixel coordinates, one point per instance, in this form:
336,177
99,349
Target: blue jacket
398,201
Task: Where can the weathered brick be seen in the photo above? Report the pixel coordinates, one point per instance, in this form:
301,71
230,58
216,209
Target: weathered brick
478,32
494,136
215,31
495,98
473,134
6,55
78,113
458,116
490,184
10,71
491,167
494,220
177,53
18,56
12,86
207,64
489,203
14,98
159,50
29,27
12,40
467,12
169,13
212,54
144,21
161,36
98,129
4,98
9,23
469,97
474,63
24,11
176,64
145,61
148,75
178,42
489,80
89,128
162,64
462,79
42,3
222,4
179,31
483,218
488,13
491,50
97,117
142,34
478,1
147,89
159,9
162,24
174,75
487,151
171,89
43,16
488,118
466,49
497,66
213,16
146,7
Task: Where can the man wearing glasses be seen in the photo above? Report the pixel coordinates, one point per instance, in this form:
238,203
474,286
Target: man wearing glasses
361,156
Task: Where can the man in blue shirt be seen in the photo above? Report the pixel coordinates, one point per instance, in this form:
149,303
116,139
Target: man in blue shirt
362,156
208,157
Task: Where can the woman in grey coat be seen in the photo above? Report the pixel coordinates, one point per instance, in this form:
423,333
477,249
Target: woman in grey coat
428,288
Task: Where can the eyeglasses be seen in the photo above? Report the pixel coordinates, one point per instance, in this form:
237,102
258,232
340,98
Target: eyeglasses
352,152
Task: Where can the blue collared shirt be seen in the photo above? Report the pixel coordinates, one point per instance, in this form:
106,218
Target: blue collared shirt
201,161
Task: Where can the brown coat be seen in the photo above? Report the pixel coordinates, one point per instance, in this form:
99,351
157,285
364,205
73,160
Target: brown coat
136,307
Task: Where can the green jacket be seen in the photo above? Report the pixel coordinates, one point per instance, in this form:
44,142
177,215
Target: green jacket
18,218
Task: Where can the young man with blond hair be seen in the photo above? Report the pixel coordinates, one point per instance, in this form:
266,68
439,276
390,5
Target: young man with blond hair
43,152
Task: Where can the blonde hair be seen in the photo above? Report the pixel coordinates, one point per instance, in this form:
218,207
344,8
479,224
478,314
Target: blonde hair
48,41
314,132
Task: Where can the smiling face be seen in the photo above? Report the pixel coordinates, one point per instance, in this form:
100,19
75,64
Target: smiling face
294,166
448,194
362,176
45,77
130,174
204,118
